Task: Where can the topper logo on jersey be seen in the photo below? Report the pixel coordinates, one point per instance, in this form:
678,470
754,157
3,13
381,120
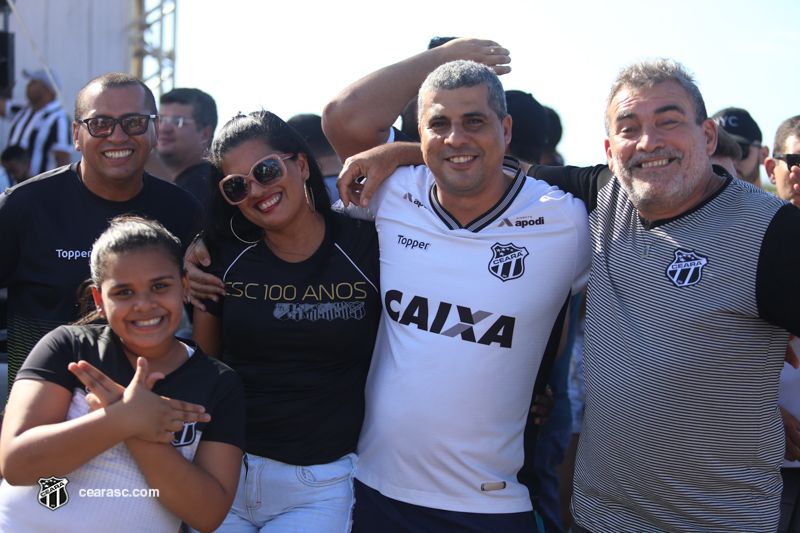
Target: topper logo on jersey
407,196
522,222
73,254
53,492
687,269
186,436
418,311
508,261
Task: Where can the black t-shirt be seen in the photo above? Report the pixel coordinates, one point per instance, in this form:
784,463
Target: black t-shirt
200,380
301,337
195,179
47,227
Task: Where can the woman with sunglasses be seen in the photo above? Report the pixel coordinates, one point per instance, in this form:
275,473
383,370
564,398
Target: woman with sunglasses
298,322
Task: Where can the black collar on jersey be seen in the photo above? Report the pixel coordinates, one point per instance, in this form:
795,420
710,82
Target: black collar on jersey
510,166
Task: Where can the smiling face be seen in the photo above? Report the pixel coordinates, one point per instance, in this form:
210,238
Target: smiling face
657,149
463,141
113,167
279,205
183,147
141,295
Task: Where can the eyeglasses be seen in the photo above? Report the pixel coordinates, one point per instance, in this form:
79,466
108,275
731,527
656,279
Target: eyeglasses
235,187
177,122
104,126
746,148
792,160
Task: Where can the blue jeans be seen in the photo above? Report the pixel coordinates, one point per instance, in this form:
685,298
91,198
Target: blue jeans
378,513
550,450
274,496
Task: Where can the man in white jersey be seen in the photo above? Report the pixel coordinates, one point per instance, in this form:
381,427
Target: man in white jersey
476,268
691,301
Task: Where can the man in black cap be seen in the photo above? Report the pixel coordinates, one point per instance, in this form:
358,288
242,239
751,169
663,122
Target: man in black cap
529,130
41,126
741,126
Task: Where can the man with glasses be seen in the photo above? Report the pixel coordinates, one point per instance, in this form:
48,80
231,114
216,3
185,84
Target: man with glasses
783,169
785,155
50,221
187,122
741,126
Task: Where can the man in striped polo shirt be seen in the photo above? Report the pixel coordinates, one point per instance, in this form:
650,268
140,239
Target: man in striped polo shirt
690,305
41,126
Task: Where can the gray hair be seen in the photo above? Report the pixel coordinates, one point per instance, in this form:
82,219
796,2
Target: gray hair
462,73
647,73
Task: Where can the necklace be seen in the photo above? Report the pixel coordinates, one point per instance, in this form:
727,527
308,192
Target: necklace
648,246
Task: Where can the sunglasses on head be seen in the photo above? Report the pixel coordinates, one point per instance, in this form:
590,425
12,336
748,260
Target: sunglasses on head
792,160
235,187
746,148
104,126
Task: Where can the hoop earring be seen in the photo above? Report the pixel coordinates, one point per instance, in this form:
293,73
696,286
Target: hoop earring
311,203
234,231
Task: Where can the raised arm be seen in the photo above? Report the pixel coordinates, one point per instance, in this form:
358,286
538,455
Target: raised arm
361,116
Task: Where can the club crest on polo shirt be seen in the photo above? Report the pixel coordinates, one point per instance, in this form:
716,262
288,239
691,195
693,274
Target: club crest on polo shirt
687,268
508,261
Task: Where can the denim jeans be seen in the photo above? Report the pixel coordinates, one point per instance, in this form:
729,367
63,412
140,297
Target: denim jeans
550,450
274,496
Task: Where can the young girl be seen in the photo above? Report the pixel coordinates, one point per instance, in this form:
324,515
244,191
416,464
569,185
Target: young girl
74,461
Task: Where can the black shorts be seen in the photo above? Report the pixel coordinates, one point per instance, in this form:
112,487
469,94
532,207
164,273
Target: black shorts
375,512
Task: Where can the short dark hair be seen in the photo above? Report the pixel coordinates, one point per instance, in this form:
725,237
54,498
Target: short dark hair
788,128
727,146
204,110
113,80
645,74
272,130
14,152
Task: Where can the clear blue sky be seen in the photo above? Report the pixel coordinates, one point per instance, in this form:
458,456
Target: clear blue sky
293,57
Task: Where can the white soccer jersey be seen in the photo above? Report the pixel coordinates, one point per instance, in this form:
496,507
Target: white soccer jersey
467,315
113,472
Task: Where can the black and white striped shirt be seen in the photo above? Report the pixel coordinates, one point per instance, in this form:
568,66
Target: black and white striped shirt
40,132
687,325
